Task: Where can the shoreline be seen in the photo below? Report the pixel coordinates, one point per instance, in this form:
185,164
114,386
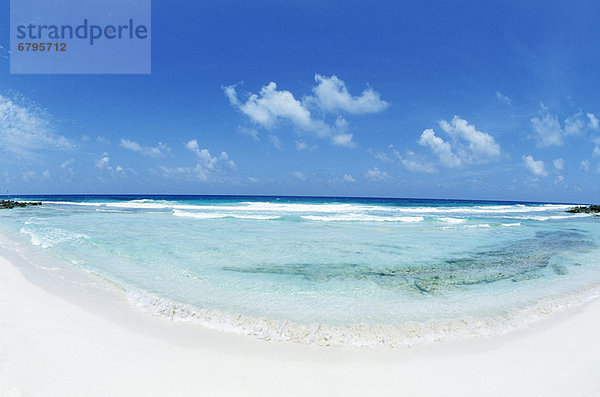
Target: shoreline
362,336
89,341
407,336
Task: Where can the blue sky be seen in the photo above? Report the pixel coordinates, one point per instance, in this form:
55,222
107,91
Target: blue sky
464,99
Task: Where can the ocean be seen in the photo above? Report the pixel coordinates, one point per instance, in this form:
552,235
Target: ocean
329,271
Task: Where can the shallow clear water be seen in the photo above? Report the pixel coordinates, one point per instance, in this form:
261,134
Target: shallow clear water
333,262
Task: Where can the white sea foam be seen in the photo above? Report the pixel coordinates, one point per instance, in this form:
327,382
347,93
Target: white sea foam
325,218
546,218
34,220
86,204
198,215
453,220
364,218
409,334
46,237
216,215
511,224
253,206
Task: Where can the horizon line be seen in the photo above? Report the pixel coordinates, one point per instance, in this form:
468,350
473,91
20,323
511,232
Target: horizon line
291,196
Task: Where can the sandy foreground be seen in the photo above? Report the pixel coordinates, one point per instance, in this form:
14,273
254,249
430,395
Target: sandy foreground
60,338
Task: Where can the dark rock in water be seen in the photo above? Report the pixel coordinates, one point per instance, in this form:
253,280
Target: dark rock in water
517,261
559,269
583,209
8,204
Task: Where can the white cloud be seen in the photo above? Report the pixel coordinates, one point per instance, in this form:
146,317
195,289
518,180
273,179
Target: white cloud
251,132
559,164
503,98
467,145
547,129
348,178
118,168
560,181
382,156
67,164
415,165
341,124
271,107
537,168
575,124
410,160
301,145
593,121
4,53
169,172
275,141
158,151
440,147
596,151
102,140
225,157
331,95
103,163
26,129
207,166
197,172
46,174
207,160
299,175
376,174
66,169
343,140
584,165
481,146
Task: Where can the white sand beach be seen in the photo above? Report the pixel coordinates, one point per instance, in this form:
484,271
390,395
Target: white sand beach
59,339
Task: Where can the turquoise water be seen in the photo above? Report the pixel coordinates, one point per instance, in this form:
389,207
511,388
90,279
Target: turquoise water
341,270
